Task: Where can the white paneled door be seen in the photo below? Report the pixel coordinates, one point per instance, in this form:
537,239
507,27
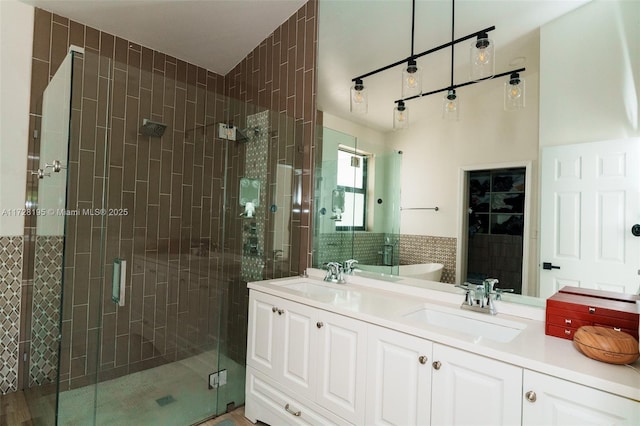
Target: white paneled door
589,205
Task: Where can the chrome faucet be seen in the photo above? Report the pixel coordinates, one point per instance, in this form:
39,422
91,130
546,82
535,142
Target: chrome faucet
335,273
350,266
481,297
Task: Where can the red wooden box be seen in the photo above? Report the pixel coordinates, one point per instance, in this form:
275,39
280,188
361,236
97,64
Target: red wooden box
573,307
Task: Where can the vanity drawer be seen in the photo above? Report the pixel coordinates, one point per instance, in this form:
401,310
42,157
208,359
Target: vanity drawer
269,401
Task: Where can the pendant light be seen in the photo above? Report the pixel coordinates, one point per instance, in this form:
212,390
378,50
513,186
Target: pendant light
400,116
411,80
482,58
451,106
359,102
514,90
482,55
450,103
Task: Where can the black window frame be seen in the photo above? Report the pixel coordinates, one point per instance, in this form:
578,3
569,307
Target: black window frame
352,189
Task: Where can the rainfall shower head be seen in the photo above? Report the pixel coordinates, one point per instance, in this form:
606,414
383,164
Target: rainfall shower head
153,129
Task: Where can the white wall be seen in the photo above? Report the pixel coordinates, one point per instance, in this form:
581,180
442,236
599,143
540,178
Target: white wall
435,149
590,74
16,40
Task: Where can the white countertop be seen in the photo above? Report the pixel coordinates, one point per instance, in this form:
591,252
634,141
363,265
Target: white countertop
386,303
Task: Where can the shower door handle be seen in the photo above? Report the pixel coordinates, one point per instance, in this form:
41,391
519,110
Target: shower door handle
119,281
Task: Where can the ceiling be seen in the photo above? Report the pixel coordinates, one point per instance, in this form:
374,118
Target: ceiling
214,34
355,36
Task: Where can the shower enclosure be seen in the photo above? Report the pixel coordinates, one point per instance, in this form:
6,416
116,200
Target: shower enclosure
142,245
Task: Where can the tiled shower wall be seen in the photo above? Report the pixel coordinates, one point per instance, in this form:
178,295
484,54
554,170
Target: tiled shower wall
279,76
10,297
171,189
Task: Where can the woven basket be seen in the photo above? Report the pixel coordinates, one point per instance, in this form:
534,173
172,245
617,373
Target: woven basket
606,345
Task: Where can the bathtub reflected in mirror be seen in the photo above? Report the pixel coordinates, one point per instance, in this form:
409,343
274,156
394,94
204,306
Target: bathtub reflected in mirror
422,271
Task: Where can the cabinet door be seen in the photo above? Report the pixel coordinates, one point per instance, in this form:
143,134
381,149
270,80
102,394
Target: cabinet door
471,389
552,401
298,324
398,378
263,351
341,366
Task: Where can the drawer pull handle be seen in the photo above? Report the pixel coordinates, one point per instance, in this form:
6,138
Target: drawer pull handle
274,309
531,396
295,413
422,359
567,332
437,365
567,321
280,311
592,310
319,324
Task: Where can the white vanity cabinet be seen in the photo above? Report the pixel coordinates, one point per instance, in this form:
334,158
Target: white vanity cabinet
551,401
306,354
398,378
412,381
312,366
472,389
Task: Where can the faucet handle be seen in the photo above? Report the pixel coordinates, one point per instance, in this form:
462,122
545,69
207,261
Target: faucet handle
349,265
499,291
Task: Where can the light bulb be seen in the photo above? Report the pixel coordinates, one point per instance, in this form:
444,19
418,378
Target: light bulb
400,116
411,80
359,99
451,106
514,92
482,58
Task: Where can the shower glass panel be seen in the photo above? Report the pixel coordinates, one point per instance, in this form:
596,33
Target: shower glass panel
368,174
54,246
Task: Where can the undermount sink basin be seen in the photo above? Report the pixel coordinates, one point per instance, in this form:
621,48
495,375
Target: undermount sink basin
324,293
492,328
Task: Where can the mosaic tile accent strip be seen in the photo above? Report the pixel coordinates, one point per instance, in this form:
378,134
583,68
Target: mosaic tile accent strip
367,247
426,249
11,251
256,156
47,287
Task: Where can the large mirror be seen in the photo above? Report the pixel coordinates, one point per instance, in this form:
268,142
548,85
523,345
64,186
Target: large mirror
582,61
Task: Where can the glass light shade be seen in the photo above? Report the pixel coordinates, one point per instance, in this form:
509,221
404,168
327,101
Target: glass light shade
514,93
411,80
359,100
451,106
400,116
482,58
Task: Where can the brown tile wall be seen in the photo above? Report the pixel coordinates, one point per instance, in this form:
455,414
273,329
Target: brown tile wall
181,270
279,75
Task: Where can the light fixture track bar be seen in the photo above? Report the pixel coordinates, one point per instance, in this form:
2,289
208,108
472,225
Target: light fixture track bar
455,86
426,52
